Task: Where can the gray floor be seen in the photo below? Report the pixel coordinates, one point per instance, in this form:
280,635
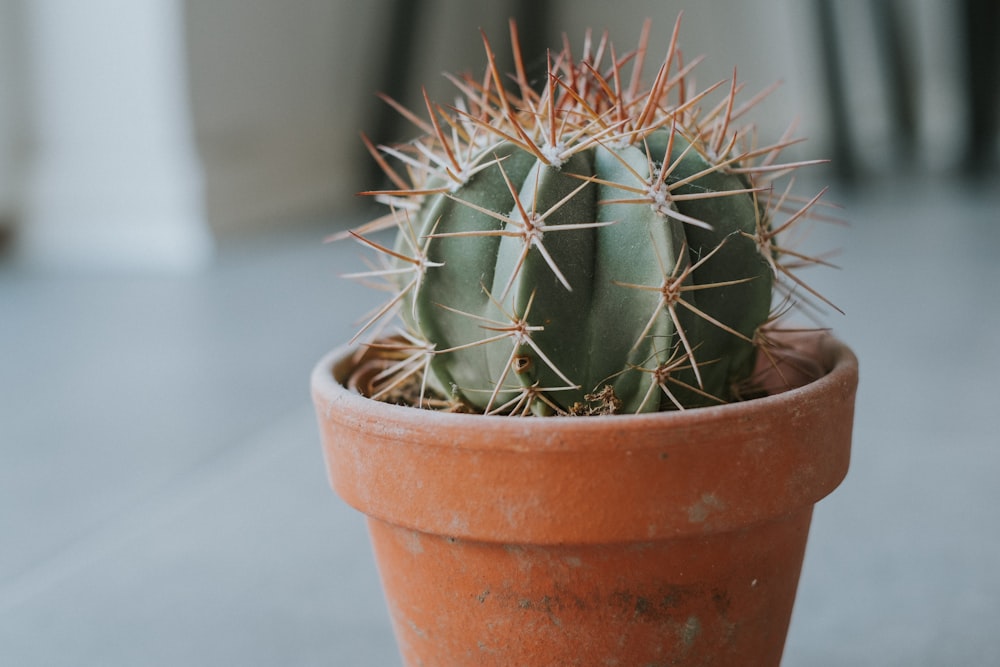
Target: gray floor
163,501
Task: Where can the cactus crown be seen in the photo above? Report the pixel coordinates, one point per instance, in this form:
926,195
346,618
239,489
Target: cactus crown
590,245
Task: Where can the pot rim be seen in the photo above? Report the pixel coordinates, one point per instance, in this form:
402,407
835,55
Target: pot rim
595,479
329,377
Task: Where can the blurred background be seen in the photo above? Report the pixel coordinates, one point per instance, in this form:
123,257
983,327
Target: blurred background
137,134
168,171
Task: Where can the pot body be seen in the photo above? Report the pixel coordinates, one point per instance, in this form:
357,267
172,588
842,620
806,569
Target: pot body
662,539
711,599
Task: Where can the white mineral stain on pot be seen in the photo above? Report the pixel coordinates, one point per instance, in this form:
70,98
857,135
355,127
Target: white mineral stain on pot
701,510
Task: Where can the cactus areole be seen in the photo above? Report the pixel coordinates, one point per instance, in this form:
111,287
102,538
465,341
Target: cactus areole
587,244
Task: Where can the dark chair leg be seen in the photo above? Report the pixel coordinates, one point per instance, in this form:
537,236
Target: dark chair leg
981,24
842,151
536,34
397,69
897,75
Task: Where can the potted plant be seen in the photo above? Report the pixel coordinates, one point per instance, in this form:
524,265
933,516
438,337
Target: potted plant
595,441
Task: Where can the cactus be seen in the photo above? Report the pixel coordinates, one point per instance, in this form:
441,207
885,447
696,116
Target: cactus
592,245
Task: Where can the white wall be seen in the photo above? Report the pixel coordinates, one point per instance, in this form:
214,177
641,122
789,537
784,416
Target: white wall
276,90
282,90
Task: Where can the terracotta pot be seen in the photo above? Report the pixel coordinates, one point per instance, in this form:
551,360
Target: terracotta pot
639,540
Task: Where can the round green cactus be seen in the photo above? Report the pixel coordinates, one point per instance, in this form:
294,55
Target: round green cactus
590,246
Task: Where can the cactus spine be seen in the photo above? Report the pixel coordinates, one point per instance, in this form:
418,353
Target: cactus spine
591,245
